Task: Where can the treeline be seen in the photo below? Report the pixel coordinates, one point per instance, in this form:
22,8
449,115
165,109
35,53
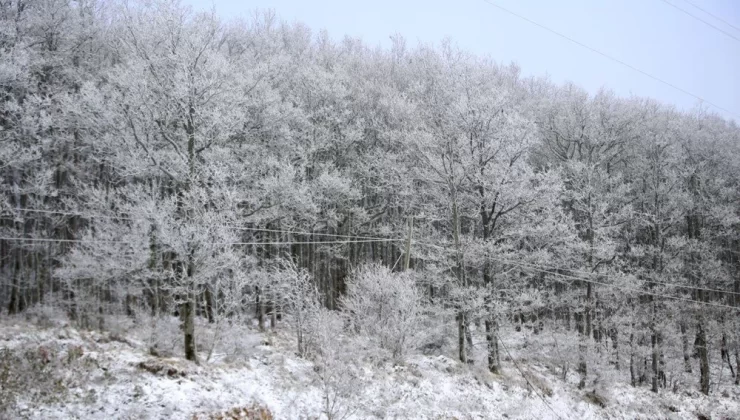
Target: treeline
156,160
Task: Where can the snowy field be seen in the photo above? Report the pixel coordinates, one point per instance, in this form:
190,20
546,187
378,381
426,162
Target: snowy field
50,370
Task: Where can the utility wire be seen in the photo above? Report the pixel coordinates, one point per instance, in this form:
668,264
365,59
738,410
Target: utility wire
524,265
616,60
68,240
352,239
537,267
701,20
706,289
359,241
713,15
256,229
206,243
247,228
645,292
519,263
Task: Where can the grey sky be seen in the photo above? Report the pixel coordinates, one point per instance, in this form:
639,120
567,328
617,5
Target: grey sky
648,34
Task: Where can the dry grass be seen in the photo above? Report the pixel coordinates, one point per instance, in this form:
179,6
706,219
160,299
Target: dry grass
253,412
163,367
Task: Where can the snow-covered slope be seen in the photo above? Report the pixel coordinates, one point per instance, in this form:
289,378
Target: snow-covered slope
64,373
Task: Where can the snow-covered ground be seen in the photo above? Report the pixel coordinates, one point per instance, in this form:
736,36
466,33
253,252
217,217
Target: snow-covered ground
68,373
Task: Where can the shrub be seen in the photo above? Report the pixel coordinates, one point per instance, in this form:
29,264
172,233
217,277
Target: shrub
40,375
384,306
336,360
302,303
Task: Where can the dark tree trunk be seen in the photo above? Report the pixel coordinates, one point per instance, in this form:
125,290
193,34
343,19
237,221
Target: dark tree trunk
633,368
188,321
461,333
725,354
15,300
209,298
702,351
737,363
188,313
615,346
655,355
494,360
260,309
686,348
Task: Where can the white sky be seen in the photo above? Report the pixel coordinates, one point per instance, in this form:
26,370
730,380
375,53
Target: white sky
648,34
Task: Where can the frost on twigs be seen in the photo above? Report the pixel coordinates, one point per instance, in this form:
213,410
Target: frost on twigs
385,307
337,365
302,304
40,374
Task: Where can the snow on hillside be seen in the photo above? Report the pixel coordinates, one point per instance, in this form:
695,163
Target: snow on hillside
64,373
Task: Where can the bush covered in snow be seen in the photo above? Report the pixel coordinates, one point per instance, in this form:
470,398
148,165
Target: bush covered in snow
384,306
41,374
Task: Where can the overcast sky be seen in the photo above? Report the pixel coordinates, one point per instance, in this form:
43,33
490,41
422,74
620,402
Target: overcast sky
648,34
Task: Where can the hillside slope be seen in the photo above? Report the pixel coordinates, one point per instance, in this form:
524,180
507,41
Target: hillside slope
54,371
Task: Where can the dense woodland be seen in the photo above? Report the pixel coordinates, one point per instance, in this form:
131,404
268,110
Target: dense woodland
155,162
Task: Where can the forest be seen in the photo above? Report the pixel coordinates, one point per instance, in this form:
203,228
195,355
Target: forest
158,162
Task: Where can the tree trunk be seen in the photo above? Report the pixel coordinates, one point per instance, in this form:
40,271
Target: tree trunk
188,307
584,338
209,298
188,313
737,363
462,321
589,291
686,348
491,325
260,310
702,351
655,357
15,300
494,360
633,372
273,312
725,354
188,322
582,365
615,346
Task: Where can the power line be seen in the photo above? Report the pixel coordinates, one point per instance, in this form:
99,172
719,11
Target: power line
531,266
542,268
247,228
288,231
616,60
713,15
206,243
359,241
295,232
701,20
67,240
683,286
645,292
